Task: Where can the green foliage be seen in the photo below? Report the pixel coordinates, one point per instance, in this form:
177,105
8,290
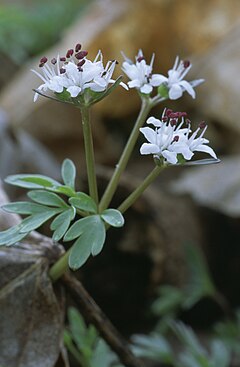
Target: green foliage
113,217
84,343
199,285
31,28
52,199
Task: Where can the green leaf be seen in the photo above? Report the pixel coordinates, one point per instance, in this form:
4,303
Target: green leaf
11,236
200,283
170,300
97,236
113,217
90,241
32,181
80,252
35,221
77,326
84,202
61,223
23,207
47,198
69,173
79,227
66,190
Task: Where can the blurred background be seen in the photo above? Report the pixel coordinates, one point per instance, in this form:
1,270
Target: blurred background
198,207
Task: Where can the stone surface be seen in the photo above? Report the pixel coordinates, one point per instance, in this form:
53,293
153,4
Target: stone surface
215,186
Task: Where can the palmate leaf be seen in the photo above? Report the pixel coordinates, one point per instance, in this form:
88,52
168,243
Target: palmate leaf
113,217
61,223
47,198
84,202
35,221
69,173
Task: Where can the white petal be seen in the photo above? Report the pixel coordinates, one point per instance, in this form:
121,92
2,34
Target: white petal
158,79
74,91
149,149
171,157
206,149
187,86
146,89
175,92
150,134
134,83
195,83
156,122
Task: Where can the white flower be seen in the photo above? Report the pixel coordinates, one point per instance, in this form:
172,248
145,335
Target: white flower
75,73
140,73
170,139
175,83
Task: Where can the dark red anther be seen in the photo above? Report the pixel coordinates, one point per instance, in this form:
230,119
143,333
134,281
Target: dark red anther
164,119
63,58
41,64
43,60
78,47
202,125
182,114
80,63
186,64
116,62
168,111
54,61
173,122
176,138
140,58
173,115
69,53
62,71
188,122
80,55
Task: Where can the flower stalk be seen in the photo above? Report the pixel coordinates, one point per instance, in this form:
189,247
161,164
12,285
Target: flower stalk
89,153
140,189
113,183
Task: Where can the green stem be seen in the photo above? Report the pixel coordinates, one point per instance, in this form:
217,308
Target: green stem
140,189
60,267
111,188
89,152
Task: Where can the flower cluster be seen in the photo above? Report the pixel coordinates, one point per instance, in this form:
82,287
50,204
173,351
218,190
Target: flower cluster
172,140
74,73
143,80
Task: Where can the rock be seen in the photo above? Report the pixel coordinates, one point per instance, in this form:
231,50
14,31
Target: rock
215,186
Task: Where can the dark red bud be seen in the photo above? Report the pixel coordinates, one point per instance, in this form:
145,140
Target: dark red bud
140,58
186,64
69,53
78,47
202,125
43,60
80,63
80,55
176,138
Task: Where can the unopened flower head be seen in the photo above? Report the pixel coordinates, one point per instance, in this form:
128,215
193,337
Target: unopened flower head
140,73
74,73
172,141
175,82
